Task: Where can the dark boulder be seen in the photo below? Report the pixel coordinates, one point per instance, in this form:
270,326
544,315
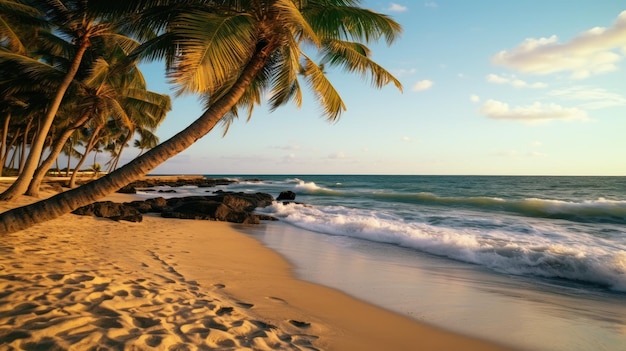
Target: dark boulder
247,202
195,209
150,205
111,210
128,189
211,210
223,206
286,196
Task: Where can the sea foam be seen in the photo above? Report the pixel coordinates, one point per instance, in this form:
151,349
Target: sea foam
540,251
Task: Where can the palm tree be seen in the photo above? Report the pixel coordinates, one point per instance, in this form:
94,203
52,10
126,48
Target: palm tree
234,53
147,140
73,20
115,88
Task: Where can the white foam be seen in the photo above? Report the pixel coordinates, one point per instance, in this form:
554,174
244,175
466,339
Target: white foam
544,251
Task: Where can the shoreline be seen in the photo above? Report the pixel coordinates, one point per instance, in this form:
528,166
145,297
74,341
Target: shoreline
236,292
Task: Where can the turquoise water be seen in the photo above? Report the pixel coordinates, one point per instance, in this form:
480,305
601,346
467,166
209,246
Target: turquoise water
570,229
537,263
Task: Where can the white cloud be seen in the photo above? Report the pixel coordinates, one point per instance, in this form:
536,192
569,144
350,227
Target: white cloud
591,98
592,52
397,8
431,4
404,72
337,156
536,112
513,81
536,143
423,85
474,98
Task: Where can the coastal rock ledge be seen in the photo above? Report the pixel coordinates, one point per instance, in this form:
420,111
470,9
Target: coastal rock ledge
223,206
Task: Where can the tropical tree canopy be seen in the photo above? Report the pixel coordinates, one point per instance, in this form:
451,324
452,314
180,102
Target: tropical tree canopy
236,55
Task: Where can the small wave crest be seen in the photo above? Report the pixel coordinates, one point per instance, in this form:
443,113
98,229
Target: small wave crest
499,251
309,187
592,211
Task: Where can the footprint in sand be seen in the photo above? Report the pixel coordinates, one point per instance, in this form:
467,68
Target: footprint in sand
224,310
299,324
276,299
244,304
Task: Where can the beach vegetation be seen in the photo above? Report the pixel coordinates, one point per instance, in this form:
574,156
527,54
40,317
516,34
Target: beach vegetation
235,55
59,51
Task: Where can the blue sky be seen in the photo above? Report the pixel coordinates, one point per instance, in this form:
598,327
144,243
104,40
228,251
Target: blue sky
491,87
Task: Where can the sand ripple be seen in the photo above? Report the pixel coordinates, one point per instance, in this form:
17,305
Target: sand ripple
61,289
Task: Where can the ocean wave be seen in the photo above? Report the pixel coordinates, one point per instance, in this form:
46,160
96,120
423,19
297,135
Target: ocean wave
600,210
575,259
302,186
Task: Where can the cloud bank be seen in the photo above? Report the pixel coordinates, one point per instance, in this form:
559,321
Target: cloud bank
590,98
536,112
514,82
595,51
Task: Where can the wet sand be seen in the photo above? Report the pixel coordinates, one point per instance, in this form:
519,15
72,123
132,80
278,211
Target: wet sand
524,313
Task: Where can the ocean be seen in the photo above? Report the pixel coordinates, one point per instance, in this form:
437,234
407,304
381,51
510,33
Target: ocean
537,263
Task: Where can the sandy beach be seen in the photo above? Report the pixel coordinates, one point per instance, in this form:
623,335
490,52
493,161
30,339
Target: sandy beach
88,283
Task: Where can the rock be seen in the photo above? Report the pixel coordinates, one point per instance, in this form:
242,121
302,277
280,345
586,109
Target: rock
198,209
127,189
286,195
234,208
111,210
150,205
247,202
150,182
223,206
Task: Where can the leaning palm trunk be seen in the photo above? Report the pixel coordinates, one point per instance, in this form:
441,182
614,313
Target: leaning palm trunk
3,145
90,145
20,185
55,151
24,217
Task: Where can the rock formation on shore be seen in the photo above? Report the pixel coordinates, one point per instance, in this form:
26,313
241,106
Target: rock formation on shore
222,206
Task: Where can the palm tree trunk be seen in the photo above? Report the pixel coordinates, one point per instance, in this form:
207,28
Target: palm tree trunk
26,216
57,147
116,160
90,144
24,144
3,148
21,183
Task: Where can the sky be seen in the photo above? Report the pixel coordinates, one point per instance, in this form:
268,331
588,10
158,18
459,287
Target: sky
490,87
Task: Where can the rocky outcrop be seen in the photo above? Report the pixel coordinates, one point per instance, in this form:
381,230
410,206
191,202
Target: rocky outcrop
111,210
228,207
200,182
223,206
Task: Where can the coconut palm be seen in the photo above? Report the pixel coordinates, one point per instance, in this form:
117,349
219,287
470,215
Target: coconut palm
235,53
114,89
72,20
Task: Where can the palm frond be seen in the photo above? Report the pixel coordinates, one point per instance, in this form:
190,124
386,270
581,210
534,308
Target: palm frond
353,57
215,47
350,23
285,85
291,18
327,96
